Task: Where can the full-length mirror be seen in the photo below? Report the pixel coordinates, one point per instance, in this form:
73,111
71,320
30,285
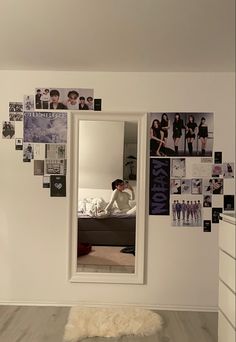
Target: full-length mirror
109,177
106,196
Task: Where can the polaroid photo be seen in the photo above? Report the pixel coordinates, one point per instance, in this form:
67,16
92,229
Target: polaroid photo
175,186
229,202
46,182
196,186
207,201
218,157
217,186
8,130
216,214
28,103
217,170
19,144
28,152
207,186
207,226
38,167
228,170
185,186
178,168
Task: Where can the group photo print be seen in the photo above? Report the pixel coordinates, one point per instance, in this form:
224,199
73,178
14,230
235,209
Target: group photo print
181,134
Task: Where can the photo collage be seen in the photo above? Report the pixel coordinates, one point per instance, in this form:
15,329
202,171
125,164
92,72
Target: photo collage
44,126
192,193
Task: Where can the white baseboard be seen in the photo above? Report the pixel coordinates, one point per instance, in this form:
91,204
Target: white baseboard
144,306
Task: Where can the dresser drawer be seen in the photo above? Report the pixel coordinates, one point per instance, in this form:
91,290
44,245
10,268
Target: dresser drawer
226,333
227,237
227,302
227,267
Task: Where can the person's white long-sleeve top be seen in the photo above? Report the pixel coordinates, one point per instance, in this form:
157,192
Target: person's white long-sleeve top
121,198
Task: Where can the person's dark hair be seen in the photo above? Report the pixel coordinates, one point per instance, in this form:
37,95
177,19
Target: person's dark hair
47,90
38,90
158,123
54,92
82,98
191,116
116,182
177,114
89,98
73,92
162,117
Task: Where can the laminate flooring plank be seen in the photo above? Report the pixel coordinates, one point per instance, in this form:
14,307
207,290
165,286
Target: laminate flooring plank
46,324
35,324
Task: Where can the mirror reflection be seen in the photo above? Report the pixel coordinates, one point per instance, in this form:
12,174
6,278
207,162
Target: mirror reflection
106,196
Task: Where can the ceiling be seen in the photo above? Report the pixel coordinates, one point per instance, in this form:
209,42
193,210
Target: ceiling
118,35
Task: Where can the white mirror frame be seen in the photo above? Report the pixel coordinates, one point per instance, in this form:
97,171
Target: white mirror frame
138,276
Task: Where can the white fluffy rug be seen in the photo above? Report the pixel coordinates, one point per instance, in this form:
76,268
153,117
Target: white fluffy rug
110,322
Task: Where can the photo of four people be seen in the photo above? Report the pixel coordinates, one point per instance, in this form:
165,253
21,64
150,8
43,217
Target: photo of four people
181,134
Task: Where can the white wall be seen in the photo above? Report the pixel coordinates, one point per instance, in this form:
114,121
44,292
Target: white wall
101,147
181,264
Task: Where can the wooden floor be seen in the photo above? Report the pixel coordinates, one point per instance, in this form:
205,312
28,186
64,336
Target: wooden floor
46,324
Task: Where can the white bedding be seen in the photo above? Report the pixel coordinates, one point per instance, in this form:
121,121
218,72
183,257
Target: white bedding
95,207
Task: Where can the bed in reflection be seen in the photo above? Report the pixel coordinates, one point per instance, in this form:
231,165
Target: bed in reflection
107,231
97,228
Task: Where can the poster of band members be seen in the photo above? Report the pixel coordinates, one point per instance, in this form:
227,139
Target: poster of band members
182,134
64,98
186,211
15,111
45,127
8,130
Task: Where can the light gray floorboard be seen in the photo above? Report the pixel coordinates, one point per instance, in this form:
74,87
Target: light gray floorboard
46,324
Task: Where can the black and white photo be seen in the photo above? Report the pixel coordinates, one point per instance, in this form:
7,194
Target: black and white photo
18,144
28,152
196,186
28,103
15,111
207,201
38,167
218,157
55,151
207,186
207,226
8,130
217,186
175,186
228,170
216,214
55,167
178,168
185,186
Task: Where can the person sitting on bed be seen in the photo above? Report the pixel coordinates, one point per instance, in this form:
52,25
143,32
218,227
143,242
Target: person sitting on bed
121,197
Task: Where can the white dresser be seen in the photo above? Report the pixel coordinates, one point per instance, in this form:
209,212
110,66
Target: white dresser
227,267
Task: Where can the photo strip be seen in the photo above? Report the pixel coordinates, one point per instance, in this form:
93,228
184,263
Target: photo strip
15,111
